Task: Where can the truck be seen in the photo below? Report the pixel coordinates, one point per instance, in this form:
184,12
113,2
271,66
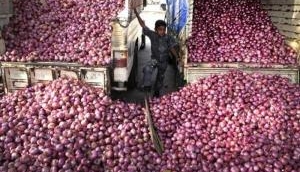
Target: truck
120,75
284,15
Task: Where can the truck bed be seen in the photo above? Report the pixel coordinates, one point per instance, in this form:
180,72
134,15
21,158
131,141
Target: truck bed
18,75
285,14
192,72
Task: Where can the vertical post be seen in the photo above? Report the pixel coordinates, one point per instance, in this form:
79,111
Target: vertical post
2,44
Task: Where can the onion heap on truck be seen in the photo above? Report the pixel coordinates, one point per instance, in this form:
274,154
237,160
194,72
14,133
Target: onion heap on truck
82,39
249,35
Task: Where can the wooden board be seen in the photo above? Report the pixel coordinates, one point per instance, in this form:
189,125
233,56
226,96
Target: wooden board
69,73
287,27
294,8
294,22
42,74
14,79
288,34
47,71
2,46
192,74
98,77
5,7
282,2
153,133
283,14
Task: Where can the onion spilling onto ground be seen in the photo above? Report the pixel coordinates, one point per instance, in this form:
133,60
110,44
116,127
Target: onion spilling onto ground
61,30
67,125
234,122
236,31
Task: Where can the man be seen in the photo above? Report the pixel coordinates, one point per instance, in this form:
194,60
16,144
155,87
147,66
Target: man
161,45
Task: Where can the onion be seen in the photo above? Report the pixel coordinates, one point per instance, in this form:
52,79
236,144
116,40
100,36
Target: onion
236,31
68,31
229,122
88,139
218,134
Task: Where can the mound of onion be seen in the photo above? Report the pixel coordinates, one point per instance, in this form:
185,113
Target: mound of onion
236,31
59,30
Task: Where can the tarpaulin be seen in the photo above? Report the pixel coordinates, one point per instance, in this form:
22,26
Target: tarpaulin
177,14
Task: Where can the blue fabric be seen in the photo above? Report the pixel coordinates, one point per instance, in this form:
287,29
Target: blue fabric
177,14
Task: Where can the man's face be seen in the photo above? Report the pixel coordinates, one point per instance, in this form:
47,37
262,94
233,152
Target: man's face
161,30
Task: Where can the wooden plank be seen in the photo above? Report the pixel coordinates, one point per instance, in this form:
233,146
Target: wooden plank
153,133
294,22
69,73
2,46
5,7
192,74
294,8
293,15
96,77
17,73
290,34
285,2
42,74
287,27
14,78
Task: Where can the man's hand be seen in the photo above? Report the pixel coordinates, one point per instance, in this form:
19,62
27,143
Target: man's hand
139,18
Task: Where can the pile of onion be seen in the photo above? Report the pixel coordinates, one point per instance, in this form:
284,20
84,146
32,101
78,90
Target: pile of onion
236,31
233,122
67,125
61,30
